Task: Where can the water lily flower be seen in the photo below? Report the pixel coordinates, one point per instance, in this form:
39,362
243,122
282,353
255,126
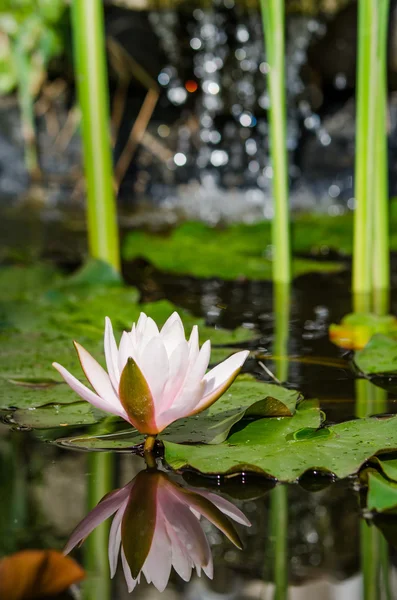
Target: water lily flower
154,377
156,525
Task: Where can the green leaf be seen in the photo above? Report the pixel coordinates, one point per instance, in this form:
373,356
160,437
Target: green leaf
32,393
246,397
274,447
389,467
136,397
56,415
378,356
382,493
237,251
139,520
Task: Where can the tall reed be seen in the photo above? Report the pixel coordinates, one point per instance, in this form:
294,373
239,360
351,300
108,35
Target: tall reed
371,243
273,17
92,85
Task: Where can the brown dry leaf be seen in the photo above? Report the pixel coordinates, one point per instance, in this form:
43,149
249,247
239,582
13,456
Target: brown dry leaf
34,574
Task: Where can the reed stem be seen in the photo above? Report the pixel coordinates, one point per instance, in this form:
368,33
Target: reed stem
371,239
91,78
273,16
97,586
279,534
381,259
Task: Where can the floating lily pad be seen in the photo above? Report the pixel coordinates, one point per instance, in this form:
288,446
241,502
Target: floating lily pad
378,356
382,493
31,393
273,447
245,398
389,467
355,330
57,415
238,251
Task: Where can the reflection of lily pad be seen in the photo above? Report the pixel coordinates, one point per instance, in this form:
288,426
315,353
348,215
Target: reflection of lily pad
237,251
269,446
246,397
355,330
382,493
378,356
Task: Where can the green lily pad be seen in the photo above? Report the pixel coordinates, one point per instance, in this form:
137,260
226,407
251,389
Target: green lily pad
245,398
378,356
389,467
57,415
382,493
32,393
228,253
272,447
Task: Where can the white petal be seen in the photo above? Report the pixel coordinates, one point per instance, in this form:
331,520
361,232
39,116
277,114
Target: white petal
155,367
126,350
111,355
170,322
89,395
173,336
97,377
115,538
131,583
178,364
193,345
220,378
157,567
140,326
150,331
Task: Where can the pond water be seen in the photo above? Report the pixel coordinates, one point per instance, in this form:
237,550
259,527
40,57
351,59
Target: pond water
306,540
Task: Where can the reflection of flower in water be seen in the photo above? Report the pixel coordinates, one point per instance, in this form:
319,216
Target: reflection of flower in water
156,526
154,377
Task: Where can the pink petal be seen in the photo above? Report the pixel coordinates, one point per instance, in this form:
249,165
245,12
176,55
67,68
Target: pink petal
131,583
226,507
191,392
88,395
186,527
219,379
111,354
106,507
154,365
115,538
181,560
97,377
157,567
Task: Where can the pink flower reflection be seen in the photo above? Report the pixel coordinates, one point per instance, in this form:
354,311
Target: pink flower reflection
157,525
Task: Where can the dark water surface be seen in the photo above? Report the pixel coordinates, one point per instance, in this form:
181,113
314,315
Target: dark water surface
306,535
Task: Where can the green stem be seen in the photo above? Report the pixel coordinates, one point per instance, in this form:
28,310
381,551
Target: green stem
281,309
91,78
365,144
273,15
381,261
279,535
97,586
